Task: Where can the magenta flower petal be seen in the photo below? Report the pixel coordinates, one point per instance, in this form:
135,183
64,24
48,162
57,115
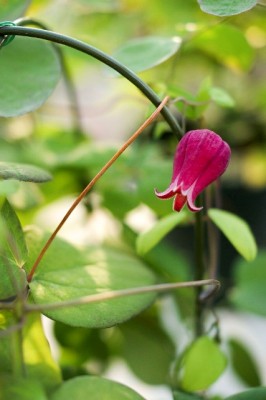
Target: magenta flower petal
200,158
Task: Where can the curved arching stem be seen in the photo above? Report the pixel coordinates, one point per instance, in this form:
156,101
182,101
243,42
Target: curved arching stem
99,55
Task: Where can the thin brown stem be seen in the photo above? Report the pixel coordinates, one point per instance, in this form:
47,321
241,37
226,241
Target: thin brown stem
92,183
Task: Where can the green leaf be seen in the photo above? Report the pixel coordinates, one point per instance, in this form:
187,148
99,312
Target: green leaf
221,97
23,172
178,395
67,273
12,9
147,240
13,278
236,231
8,187
27,86
13,242
252,394
244,364
224,8
145,340
249,293
95,388
202,364
147,52
234,51
21,389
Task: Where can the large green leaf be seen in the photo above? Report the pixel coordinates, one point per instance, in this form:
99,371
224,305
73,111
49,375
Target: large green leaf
244,364
67,273
249,293
252,394
233,50
23,172
236,231
147,240
224,8
94,388
202,364
147,52
29,72
12,9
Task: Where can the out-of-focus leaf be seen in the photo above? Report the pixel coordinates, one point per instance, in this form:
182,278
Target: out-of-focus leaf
224,8
221,97
145,340
233,51
249,293
36,74
147,52
23,172
252,394
147,240
178,395
236,231
94,388
244,364
201,365
67,273
21,389
12,9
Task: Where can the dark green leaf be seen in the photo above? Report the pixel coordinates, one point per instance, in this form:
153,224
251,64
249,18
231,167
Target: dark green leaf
147,52
236,231
201,365
23,172
66,273
178,395
95,388
224,8
252,394
145,340
13,241
26,86
249,293
244,364
147,240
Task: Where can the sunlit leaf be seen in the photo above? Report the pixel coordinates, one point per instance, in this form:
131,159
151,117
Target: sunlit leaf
147,240
224,8
147,52
249,293
202,364
36,74
23,172
67,273
236,231
252,394
94,388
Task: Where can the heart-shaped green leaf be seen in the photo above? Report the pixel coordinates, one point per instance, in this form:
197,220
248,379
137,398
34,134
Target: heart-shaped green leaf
29,72
224,8
147,52
94,388
67,273
23,172
236,231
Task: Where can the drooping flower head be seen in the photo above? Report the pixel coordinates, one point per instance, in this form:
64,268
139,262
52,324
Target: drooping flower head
201,157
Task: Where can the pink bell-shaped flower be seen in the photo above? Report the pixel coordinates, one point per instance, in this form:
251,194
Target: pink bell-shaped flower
201,157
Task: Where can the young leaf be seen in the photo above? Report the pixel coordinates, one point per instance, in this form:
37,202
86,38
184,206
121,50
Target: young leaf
147,240
249,293
66,273
13,241
147,52
202,364
244,364
224,8
236,231
39,73
23,172
95,388
252,394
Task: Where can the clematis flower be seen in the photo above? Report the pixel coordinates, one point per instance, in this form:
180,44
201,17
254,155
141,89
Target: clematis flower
201,157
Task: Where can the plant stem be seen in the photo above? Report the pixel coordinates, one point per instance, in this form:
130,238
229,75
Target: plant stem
199,271
17,353
92,183
101,56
